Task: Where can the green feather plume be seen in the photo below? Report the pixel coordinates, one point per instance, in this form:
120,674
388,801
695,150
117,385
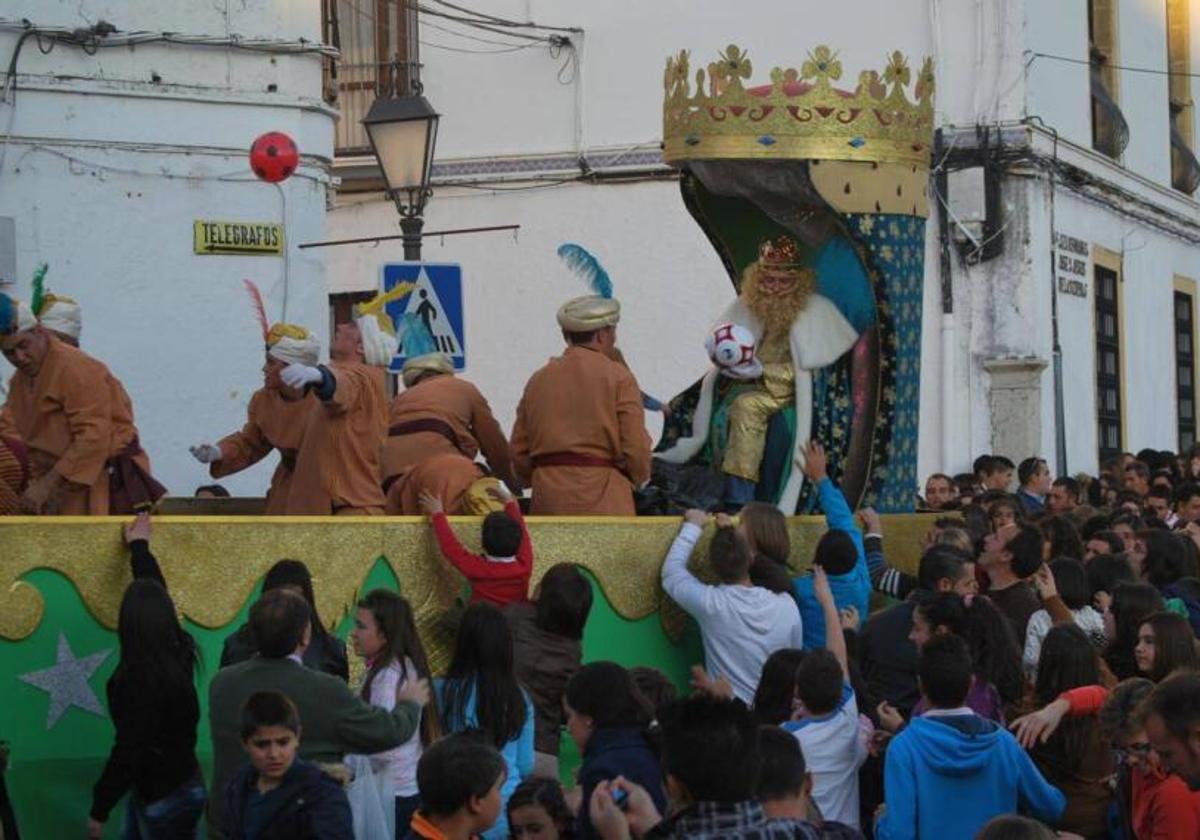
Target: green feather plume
38,296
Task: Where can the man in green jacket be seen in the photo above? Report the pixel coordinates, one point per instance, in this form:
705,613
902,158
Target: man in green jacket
333,720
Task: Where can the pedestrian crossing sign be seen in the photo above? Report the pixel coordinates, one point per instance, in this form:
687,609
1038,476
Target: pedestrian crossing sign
436,299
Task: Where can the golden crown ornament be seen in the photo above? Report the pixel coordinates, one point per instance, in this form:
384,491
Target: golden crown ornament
800,114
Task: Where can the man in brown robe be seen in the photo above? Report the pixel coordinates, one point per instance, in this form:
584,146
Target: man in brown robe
275,420
83,448
338,465
439,414
580,436
14,475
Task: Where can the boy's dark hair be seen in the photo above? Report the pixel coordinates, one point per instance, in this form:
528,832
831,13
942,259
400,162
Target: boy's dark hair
606,692
1028,469
1069,484
1139,468
1014,827
1159,492
277,622
836,553
1116,545
214,490
268,708
1166,559
945,671
501,534
729,555
781,775
1184,492
770,575
1105,571
455,769
941,562
819,681
710,746
654,686
1177,701
564,601
1025,548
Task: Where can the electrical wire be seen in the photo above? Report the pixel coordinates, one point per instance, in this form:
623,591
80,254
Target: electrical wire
425,10
94,37
501,51
498,21
1125,67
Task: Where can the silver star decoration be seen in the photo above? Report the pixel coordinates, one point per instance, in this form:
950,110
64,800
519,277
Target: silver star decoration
66,681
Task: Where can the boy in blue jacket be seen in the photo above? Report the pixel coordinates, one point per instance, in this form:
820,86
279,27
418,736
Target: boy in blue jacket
839,551
950,771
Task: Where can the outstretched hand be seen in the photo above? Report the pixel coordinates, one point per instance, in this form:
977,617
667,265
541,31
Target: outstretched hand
702,683
138,529
430,503
872,524
696,517
821,589
1038,726
816,465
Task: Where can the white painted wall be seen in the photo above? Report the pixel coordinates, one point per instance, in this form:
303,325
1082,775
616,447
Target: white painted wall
105,170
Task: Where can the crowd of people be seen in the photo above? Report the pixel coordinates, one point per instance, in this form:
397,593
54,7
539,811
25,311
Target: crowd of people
1037,677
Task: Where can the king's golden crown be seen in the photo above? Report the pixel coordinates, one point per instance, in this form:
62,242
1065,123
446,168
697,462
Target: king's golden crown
800,114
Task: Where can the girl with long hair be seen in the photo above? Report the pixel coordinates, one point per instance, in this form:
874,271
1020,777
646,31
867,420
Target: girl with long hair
1076,758
774,698
608,717
385,636
1164,644
480,692
154,708
997,658
765,530
326,652
1131,603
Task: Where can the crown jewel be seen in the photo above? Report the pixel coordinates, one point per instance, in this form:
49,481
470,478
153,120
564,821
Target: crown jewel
781,253
799,114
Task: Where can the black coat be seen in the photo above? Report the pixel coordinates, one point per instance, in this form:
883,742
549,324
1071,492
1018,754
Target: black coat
887,658
307,805
326,652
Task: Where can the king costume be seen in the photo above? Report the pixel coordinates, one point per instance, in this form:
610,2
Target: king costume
796,331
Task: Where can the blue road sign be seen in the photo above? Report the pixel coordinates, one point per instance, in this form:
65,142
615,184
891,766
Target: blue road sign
437,300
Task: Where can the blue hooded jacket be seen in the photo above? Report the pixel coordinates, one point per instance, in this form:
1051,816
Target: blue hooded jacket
947,776
850,589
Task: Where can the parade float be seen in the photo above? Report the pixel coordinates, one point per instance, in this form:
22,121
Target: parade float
842,172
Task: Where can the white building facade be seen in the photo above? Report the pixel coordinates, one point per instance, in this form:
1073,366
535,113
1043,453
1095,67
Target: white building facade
564,142
114,143
554,124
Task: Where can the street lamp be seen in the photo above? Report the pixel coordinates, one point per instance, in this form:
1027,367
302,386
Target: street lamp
403,132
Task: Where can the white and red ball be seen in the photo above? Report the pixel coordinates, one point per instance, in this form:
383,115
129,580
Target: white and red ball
732,349
274,156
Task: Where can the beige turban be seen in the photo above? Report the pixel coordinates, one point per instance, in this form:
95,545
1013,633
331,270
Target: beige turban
62,315
585,314
293,344
15,318
379,346
426,363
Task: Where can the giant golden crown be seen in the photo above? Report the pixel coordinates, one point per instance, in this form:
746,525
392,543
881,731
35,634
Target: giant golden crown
800,114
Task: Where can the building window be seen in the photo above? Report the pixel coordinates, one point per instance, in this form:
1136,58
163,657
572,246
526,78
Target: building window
1185,370
378,42
1185,169
1110,132
1108,363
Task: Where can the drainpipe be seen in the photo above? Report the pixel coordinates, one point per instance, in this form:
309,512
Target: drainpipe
945,265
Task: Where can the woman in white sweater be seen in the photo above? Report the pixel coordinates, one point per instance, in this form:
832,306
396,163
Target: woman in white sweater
385,635
1068,580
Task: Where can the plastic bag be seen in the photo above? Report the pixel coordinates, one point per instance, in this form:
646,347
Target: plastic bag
372,800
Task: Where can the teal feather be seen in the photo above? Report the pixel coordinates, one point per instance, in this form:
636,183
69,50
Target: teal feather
588,267
38,296
415,337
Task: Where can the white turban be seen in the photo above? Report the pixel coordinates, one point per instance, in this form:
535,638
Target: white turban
299,351
62,315
15,317
379,347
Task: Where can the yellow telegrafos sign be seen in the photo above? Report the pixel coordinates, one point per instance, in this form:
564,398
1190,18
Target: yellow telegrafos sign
215,237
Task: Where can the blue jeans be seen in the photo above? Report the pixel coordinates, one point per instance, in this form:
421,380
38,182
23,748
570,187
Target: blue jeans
174,817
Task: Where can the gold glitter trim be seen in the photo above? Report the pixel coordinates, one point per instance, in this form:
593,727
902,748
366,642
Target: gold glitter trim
213,563
799,115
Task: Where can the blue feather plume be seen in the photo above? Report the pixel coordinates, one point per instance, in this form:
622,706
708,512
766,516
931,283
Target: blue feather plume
588,267
414,336
8,314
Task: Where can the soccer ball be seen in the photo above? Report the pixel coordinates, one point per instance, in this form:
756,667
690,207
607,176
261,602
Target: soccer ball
732,349
274,157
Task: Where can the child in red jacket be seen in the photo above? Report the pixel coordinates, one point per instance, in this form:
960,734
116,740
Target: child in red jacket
500,575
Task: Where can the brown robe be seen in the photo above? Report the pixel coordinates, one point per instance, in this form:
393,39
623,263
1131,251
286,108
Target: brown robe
72,417
458,404
582,403
447,475
271,423
337,467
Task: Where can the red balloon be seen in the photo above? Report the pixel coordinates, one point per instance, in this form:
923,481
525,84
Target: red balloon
274,157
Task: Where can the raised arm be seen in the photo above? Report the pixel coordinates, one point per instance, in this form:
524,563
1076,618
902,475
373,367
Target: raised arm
684,587
835,642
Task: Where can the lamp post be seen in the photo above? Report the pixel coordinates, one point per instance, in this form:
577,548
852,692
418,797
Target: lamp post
403,132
